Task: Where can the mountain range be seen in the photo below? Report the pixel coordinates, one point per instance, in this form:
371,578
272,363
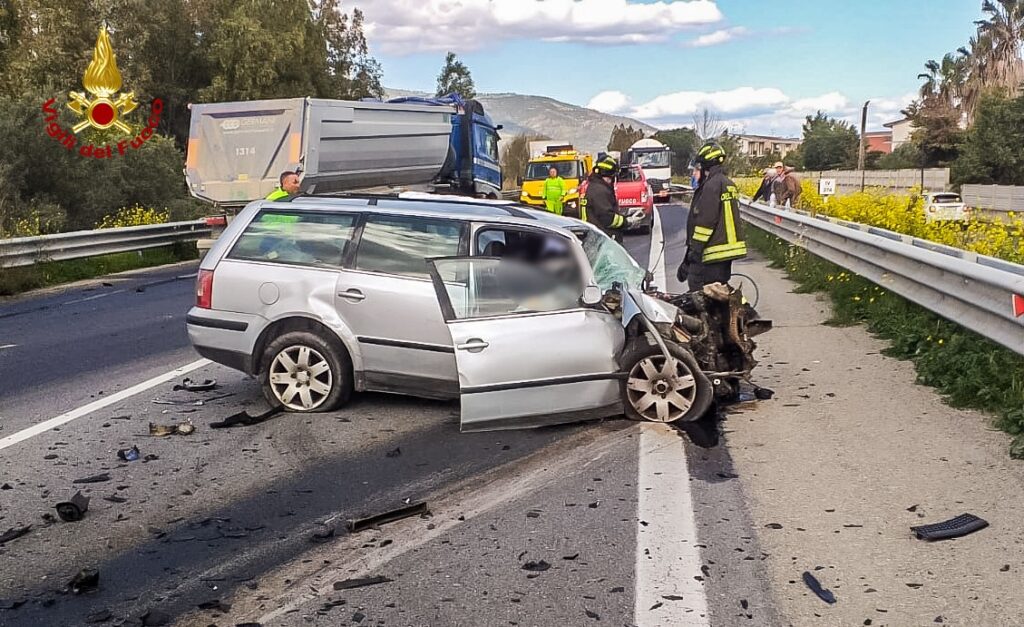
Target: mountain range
520,114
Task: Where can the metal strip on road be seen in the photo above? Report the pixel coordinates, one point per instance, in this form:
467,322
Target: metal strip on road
85,410
668,561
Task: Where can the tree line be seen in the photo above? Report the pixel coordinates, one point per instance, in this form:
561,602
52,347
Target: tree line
181,51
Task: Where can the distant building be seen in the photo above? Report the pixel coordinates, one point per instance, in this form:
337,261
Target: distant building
879,141
760,145
901,131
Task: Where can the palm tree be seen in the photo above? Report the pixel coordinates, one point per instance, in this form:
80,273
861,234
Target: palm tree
931,79
1000,39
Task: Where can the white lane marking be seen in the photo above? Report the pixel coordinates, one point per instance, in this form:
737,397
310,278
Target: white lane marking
85,410
95,297
657,261
3,346
667,555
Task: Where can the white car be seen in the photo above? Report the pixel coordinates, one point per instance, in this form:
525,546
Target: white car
945,207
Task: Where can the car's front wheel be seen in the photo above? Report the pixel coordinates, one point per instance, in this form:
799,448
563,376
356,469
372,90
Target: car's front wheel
657,389
302,372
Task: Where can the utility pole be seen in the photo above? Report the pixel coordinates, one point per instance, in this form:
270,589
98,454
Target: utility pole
863,145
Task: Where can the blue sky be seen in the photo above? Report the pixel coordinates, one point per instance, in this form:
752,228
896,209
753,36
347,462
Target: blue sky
762,65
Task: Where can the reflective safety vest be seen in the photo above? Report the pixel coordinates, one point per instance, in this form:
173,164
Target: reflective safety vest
277,194
554,190
714,221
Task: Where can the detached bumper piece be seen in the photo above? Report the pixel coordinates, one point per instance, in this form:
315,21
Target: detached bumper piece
952,528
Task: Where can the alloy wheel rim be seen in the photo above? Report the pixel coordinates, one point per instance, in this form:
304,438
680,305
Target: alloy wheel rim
661,390
301,378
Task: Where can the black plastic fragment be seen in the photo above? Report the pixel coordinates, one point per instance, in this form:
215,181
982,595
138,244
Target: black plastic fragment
823,593
360,524
952,528
87,580
11,604
215,604
763,394
155,618
245,419
322,535
14,533
361,582
191,386
75,509
100,478
536,567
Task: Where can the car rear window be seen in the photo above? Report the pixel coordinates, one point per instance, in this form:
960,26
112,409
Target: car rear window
316,239
402,244
946,198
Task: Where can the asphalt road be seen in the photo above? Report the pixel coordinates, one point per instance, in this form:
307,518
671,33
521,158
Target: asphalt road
599,523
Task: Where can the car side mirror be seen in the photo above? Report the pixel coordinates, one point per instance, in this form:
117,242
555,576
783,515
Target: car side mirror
591,296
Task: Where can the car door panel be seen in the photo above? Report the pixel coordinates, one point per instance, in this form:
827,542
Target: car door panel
519,367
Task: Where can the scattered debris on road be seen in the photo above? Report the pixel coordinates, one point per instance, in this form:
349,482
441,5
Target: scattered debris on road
191,386
322,535
87,580
183,428
244,418
99,616
128,454
953,528
536,567
100,478
361,524
215,605
823,593
14,533
361,582
75,509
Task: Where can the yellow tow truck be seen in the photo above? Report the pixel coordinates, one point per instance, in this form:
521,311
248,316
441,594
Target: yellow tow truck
572,165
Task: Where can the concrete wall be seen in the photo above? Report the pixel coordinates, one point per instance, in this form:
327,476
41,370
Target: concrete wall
896,181
993,199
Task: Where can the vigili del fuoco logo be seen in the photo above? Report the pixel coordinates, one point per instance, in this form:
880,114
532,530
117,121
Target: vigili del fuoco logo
104,108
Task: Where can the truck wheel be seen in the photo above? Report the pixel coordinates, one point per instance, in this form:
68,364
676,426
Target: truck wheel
657,391
302,372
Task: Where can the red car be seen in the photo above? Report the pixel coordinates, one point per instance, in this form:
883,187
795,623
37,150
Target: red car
634,194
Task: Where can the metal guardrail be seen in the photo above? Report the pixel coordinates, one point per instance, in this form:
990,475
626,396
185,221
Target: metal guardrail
25,251
973,290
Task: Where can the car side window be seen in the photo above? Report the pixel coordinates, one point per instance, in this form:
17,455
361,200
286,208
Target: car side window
315,239
402,244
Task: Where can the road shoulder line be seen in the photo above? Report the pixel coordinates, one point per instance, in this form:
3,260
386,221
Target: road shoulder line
96,405
669,586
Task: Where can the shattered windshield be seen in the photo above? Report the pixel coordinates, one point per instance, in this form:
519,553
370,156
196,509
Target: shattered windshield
654,159
610,261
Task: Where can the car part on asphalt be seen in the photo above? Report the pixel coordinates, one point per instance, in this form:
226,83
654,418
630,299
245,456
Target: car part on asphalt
190,386
536,567
361,582
100,478
361,524
128,454
244,418
952,528
823,593
183,428
14,533
87,580
75,509
304,372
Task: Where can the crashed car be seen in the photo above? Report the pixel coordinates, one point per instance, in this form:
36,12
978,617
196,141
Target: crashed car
527,317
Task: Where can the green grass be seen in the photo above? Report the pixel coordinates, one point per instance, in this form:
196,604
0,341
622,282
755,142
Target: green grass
22,279
970,371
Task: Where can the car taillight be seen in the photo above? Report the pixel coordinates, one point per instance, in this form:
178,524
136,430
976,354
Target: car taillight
216,221
204,289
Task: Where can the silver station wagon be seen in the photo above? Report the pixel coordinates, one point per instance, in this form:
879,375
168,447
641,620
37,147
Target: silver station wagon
527,317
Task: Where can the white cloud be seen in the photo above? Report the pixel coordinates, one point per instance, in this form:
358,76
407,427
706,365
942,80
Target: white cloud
765,110
409,26
609,102
719,37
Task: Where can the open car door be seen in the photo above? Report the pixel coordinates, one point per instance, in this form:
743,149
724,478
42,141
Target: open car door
528,353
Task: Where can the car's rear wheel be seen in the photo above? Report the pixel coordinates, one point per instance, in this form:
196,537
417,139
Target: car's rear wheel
302,372
657,389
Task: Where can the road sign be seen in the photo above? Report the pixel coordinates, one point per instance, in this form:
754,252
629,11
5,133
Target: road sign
827,187
1018,305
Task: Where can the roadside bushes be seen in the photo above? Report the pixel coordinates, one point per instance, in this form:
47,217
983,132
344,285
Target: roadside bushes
905,214
967,369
